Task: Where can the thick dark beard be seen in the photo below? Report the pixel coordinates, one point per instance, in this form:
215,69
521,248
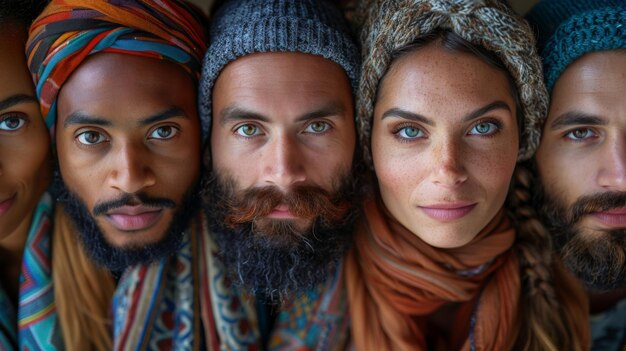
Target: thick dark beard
279,266
598,259
117,259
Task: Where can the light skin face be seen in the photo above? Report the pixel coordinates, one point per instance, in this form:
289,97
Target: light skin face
583,148
444,143
24,143
283,120
128,125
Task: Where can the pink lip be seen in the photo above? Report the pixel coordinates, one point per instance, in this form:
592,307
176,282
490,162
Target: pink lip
5,205
615,218
281,211
450,211
134,218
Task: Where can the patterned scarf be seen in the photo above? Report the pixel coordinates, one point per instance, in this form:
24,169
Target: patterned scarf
68,31
37,325
184,302
317,320
394,280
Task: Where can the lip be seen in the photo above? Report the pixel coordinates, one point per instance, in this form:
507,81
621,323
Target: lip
449,211
5,205
281,212
134,218
614,218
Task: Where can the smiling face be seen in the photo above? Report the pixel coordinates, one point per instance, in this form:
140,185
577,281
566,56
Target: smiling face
128,143
444,143
24,141
582,166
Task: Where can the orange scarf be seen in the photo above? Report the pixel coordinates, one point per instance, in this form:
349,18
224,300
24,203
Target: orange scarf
395,280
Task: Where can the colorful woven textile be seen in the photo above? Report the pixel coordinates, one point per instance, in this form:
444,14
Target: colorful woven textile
159,306
68,31
36,326
318,320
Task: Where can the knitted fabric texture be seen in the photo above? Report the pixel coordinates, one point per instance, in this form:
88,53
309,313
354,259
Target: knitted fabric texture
389,25
569,29
242,27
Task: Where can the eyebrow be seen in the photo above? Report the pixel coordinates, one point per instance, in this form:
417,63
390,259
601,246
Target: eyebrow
16,99
572,118
397,112
236,113
81,118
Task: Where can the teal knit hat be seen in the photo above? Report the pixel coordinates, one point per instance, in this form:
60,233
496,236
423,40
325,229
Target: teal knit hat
569,29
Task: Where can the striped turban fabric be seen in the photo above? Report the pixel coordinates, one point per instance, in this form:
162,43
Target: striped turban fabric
68,31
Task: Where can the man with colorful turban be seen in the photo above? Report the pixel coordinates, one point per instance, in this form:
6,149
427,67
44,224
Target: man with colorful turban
117,85
581,162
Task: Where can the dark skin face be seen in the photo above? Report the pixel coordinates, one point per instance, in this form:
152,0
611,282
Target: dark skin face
128,126
24,153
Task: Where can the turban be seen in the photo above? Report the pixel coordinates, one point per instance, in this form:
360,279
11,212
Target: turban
68,31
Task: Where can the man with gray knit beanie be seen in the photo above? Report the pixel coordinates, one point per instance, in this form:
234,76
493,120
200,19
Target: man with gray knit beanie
276,94
581,162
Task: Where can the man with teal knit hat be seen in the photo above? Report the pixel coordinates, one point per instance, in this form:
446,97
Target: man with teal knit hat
581,162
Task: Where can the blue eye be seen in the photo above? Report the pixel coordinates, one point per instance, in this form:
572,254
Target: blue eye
163,133
484,128
410,133
317,127
248,130
12,123
580,134
91,138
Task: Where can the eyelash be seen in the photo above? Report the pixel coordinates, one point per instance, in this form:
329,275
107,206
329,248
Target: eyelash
495,122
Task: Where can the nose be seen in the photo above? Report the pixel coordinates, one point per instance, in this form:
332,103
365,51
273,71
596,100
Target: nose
448,170
131,169
284,162
612,174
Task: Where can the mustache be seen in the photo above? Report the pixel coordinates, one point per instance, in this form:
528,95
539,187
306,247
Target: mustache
304,202
596,203
132,200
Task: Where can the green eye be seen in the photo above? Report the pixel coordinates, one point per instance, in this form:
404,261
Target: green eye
248,130
317,127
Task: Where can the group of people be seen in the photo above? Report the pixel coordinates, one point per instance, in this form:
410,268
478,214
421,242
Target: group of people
312,175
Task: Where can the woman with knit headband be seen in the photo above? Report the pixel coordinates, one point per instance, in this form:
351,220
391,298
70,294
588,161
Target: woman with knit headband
449,255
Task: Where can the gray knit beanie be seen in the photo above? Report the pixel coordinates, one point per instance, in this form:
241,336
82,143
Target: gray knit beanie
243,27
389,25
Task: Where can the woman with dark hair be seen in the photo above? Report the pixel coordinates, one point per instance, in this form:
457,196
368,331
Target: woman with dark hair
450,255
47,302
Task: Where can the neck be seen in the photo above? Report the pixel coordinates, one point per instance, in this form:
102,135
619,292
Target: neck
600,302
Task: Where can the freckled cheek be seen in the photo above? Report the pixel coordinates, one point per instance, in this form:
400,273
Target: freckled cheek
398,174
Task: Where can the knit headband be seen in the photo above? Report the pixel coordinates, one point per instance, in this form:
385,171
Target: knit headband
243,27
569,29
68,31
389,25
